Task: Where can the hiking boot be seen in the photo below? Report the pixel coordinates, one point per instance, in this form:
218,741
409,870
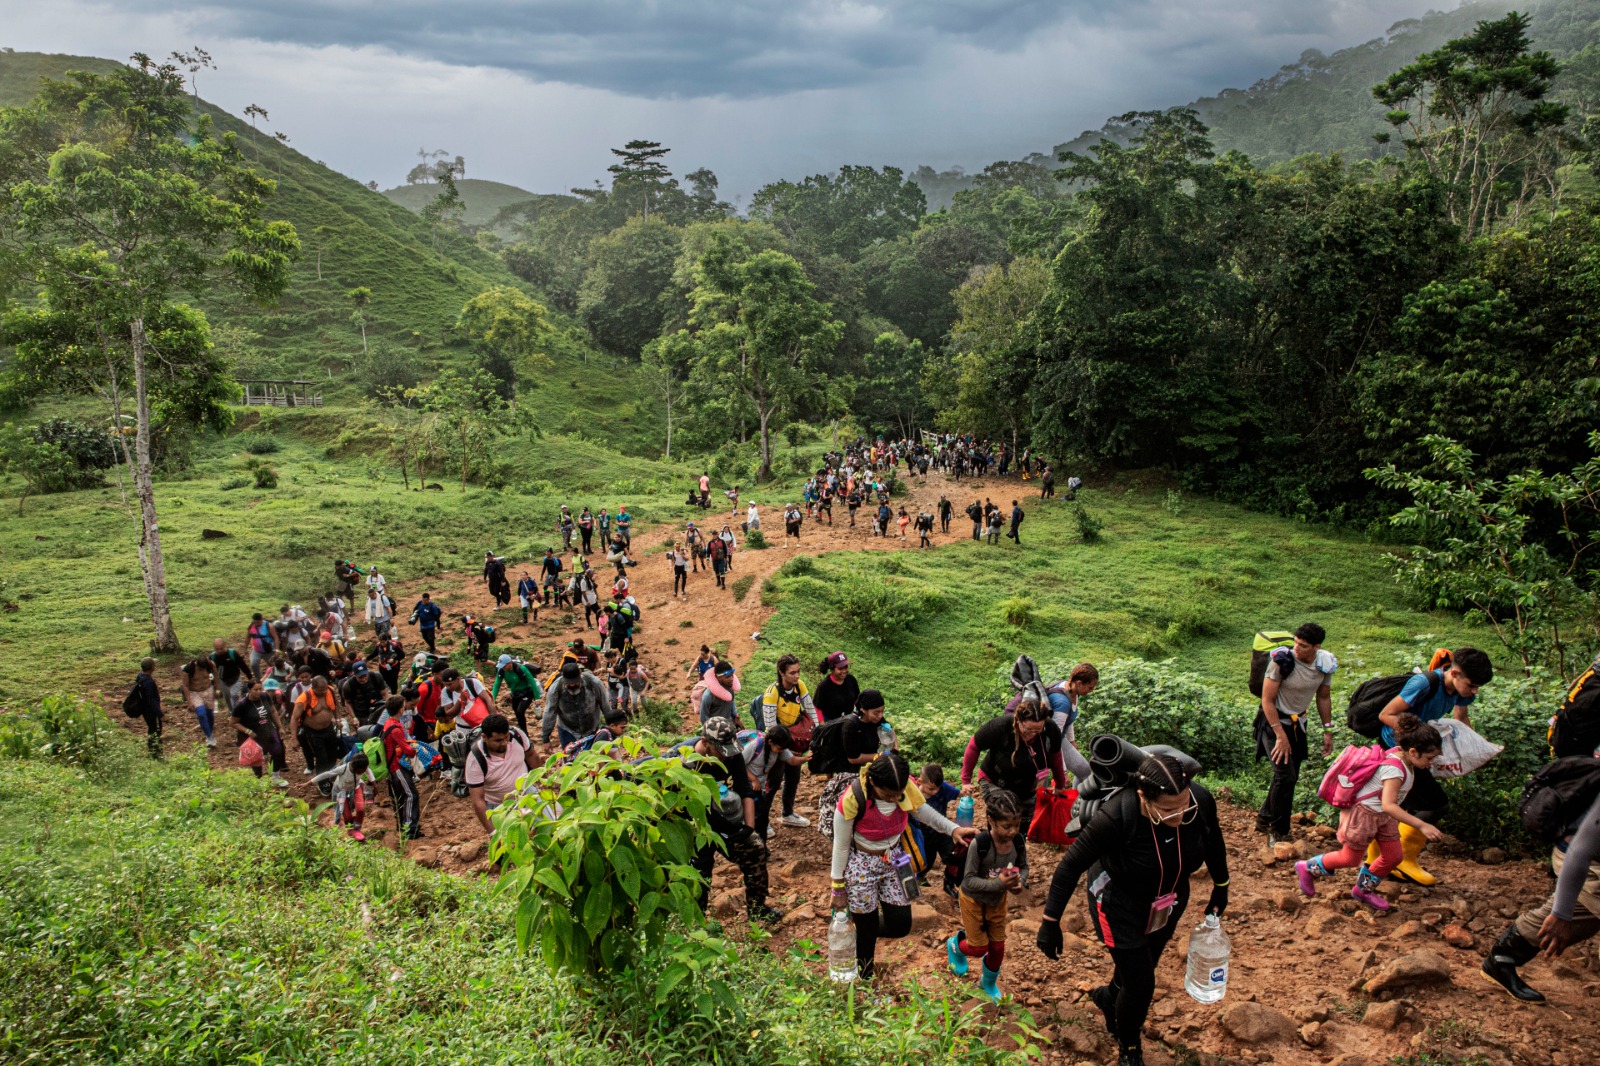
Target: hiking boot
1130,1056
796,821
1105,997
280,781
765,914
1500,966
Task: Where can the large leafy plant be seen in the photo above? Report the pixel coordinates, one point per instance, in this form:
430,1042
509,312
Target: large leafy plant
597,854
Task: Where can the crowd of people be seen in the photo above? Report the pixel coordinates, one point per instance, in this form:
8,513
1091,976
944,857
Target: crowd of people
364,712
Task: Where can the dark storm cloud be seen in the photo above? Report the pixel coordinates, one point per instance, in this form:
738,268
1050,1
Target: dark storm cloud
659,48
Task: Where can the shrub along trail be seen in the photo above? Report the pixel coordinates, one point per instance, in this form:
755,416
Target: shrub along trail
1298,990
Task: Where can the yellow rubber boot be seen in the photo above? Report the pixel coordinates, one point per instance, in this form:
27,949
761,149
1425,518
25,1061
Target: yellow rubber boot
1411,843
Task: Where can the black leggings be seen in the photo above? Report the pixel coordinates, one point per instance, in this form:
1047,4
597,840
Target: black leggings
896,923
1134,982
791,785
680,580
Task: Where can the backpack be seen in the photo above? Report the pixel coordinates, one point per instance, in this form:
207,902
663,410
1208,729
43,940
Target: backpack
1556,798
1575,730
1350,773
910,842
827,747
1374,694
486,633
377,757
1266,643
132,705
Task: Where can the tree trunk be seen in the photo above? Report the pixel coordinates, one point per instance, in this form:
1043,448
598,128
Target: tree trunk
155,567
669,428
319,264
363,335
765,473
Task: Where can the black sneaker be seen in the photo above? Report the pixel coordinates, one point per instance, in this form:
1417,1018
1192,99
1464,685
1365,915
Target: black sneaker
1503,973
1130,1056
765,914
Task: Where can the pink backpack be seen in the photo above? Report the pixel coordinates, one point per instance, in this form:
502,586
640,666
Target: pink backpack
1351,772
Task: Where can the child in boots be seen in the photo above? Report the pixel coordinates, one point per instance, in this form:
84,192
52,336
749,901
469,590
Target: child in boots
997,865
1376,816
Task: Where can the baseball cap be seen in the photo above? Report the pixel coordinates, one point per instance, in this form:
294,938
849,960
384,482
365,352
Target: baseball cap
360,669
270,685
838,659
571,672
503,661
720,734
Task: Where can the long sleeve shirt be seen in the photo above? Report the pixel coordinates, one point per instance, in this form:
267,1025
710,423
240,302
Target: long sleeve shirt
1582,852
845,837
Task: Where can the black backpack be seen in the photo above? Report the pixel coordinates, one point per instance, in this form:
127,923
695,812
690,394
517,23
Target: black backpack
827,747
132,705
1267,643
1556,798
1575,730
1373,695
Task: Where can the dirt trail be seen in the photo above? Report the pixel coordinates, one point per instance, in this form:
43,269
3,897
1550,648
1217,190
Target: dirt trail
1299,961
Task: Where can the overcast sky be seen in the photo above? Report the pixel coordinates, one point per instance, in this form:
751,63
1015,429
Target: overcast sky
534,92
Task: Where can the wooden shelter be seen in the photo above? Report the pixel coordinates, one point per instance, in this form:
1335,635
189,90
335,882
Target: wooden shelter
265,392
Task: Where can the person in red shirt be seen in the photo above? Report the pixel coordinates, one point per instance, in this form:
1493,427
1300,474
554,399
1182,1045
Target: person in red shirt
429,693
398,750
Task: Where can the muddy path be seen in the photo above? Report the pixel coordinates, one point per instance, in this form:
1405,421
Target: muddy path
1296,987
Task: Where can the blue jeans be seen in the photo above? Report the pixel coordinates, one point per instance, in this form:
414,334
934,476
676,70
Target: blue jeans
207,719
564,735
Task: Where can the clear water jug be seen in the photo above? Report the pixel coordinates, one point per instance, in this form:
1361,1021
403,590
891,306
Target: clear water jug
1206,977
841,947
964,812
887,741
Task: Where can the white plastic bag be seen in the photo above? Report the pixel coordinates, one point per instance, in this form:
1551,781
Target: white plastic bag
1464,750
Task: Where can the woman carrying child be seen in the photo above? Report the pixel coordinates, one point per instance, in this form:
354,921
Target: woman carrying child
1377,815
997,866
870,869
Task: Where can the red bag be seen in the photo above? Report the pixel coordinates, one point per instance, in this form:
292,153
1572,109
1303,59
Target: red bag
1052,813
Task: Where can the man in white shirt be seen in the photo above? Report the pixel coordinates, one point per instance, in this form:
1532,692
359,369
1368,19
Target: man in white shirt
1293,679
495,764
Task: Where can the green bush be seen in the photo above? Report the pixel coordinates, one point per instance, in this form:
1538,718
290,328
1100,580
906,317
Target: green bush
883,608
936,734
236,482
741,587
1089,526
613,868
799,566
266,477
1016,610
60,727
1156,703
755,539
259,443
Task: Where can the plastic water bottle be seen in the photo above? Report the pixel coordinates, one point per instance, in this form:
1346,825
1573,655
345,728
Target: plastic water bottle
887,740
1206,978
841,947
964,812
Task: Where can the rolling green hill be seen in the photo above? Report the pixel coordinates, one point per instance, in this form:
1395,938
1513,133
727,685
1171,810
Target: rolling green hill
482,200
353,236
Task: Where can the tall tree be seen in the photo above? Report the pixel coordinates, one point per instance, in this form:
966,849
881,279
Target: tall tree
510,326
360,297
1475,113
628,274
984,384
761,333
843,214
114,200
640,174
665,362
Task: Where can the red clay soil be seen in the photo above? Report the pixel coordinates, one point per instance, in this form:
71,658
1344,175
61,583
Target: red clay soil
1296,991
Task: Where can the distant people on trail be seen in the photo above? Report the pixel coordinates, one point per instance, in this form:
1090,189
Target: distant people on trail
1016,522
378,613
1294,678
528,596
1138,852
425,616
1374,819
255,719
144,701
575,705
1447,687
975,512
197,680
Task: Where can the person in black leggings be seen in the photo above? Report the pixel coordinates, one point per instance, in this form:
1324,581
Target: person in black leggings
1139,850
